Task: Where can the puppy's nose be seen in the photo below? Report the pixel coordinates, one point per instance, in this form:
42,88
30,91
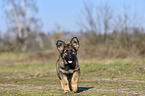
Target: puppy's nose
69,56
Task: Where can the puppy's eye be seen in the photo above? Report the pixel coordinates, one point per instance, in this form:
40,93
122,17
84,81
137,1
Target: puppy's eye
73,52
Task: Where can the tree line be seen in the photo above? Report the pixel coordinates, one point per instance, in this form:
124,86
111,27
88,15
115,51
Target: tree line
103,32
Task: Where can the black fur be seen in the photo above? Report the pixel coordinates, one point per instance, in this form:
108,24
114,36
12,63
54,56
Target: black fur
67,62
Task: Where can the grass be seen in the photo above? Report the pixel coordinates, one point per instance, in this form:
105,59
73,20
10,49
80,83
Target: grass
24,75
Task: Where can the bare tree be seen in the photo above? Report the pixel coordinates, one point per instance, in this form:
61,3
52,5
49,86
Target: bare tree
104,19
87,22
125,23
97,21
22,19
89,16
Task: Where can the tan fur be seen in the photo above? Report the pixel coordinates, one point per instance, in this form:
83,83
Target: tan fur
68,74
64,83
74,81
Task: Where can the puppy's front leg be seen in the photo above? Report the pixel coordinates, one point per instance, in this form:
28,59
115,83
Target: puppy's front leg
65,83
74,81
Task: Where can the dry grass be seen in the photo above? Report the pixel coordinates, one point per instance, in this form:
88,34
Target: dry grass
34,74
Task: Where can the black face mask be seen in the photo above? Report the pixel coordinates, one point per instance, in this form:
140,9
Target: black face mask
70,58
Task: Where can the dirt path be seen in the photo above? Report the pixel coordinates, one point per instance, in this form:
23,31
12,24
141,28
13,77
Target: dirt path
96,86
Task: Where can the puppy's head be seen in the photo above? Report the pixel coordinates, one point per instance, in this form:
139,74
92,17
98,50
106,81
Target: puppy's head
68,51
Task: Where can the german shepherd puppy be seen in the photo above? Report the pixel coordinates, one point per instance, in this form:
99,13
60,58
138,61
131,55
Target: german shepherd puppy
67,66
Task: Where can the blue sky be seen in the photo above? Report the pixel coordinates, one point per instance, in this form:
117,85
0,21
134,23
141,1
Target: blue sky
65,13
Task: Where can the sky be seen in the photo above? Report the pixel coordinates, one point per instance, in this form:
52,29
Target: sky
65,13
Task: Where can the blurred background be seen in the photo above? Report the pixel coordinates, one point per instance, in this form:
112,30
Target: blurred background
105,28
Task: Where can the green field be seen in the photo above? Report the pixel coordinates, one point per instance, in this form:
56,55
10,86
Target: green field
23,74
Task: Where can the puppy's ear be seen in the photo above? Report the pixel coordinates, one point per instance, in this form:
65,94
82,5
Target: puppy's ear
60,45
75,42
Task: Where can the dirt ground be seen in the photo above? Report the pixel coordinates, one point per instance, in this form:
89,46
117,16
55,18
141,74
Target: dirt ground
23,75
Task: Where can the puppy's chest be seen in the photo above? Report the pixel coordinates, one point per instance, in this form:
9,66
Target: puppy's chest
67,68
